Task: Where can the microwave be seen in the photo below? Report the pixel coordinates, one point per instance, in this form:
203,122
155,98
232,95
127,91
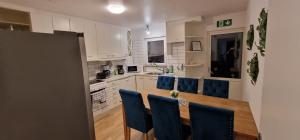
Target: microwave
132,69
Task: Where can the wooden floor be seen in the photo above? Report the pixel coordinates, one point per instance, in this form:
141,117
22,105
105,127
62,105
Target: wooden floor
110,127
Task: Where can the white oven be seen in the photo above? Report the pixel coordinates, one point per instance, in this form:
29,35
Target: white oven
99,97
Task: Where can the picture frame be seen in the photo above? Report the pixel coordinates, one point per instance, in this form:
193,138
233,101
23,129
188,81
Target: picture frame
196,46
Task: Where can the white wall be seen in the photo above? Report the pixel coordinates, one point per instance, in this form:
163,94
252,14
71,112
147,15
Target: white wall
238,21
281,93
156,30
253,94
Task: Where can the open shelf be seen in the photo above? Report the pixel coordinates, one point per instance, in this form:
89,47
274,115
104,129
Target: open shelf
195,60
14,20
14,27
15,23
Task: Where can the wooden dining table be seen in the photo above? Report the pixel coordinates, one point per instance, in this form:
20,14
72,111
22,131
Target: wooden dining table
244,124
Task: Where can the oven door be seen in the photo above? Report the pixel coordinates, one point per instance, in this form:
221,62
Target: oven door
99,100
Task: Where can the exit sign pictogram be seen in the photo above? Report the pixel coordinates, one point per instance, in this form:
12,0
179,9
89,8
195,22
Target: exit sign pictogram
224,23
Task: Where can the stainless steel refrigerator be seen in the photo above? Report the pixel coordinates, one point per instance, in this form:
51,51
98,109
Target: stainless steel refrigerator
44,92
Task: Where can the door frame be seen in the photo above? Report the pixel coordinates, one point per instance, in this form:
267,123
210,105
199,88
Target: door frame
208,52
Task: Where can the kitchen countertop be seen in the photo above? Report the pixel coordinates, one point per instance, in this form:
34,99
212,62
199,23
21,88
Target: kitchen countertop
126,75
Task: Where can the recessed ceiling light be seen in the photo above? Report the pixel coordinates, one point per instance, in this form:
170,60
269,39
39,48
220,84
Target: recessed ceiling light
116,6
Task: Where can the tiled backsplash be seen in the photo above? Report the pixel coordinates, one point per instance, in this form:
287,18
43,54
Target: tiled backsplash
139,52
178,55
95,67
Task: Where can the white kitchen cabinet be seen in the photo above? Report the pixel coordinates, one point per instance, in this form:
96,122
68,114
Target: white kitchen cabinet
124,43
112,41
109,37
139,83
77,25
150,82
113,96
90,38
61,23
128,83
145,82
175,31
41,22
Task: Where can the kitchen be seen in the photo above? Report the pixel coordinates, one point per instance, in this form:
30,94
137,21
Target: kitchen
126,47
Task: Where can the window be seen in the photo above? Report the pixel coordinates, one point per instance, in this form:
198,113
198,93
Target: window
156,51
226,55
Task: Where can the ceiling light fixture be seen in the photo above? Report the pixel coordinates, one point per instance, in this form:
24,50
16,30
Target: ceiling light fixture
147,30
116,6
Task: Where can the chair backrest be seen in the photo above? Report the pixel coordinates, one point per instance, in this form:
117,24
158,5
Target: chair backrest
210,123
216,88
189,85
166,118
135,112
165,82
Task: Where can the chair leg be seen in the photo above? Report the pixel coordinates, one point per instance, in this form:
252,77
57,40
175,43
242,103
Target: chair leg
128,133
145,136
124,123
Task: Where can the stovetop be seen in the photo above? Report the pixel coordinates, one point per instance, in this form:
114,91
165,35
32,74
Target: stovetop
95,81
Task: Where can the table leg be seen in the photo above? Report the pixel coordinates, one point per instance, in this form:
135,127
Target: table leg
124,124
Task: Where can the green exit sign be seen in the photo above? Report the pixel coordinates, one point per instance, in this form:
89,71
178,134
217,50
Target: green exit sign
224,23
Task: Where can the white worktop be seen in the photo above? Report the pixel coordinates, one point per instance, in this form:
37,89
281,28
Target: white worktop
118,77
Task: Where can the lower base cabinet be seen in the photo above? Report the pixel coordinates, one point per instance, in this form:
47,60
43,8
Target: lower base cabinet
113,96
145,82
141,82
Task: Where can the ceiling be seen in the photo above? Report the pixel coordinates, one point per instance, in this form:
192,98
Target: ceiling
139,12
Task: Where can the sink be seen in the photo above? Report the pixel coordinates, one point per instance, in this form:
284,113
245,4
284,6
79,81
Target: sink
154,73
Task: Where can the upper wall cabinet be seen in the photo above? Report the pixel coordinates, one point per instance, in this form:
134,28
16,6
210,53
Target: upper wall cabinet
175,31
124,43
77,25
90,37
41,22
61,23
102,41
110,42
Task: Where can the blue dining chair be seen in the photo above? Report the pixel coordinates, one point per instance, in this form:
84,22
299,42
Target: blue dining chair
211,123
189,85
135,112
216,88
166,119
165,82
